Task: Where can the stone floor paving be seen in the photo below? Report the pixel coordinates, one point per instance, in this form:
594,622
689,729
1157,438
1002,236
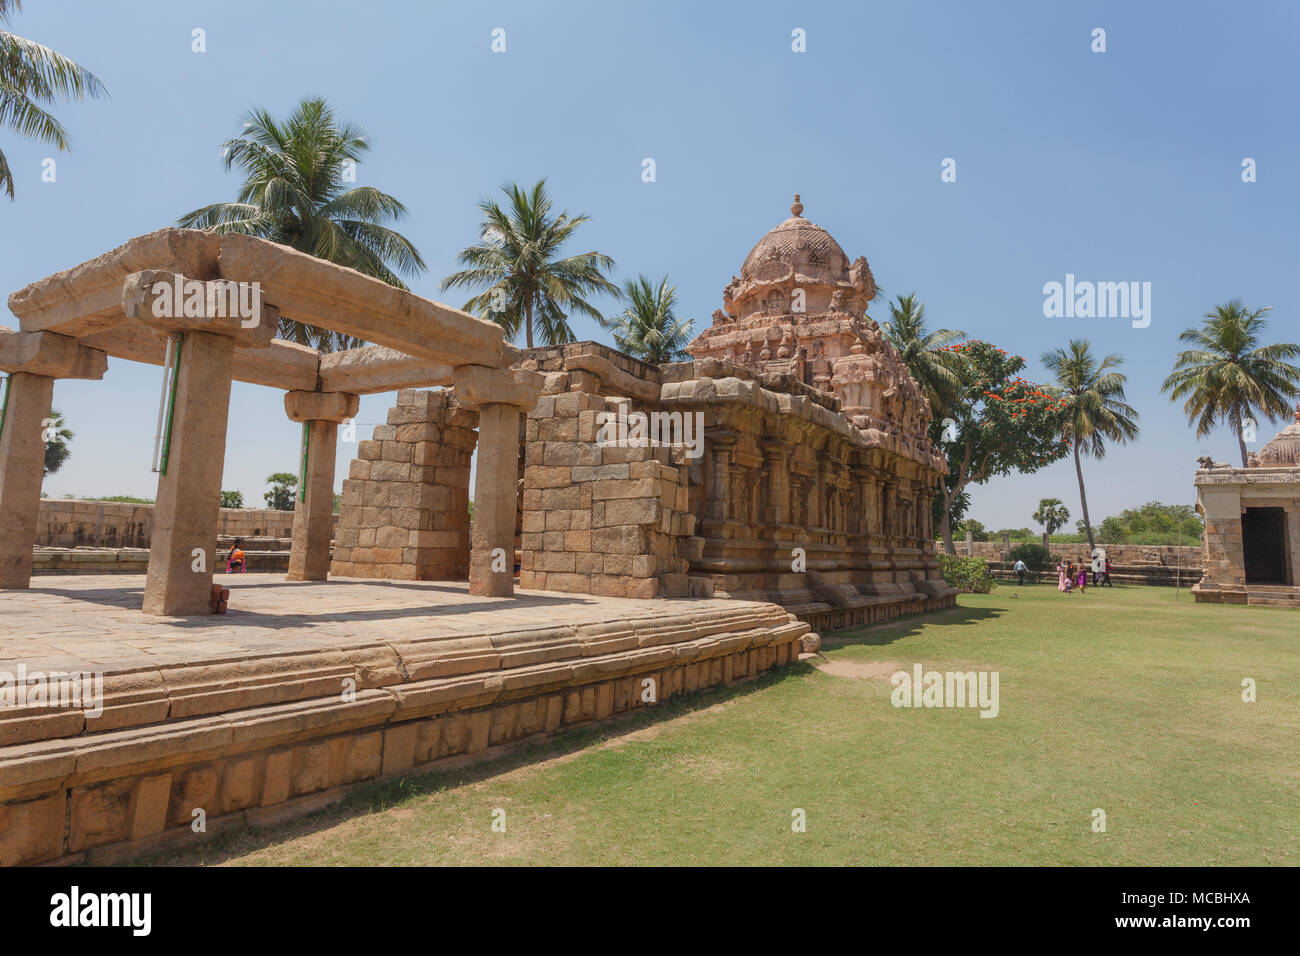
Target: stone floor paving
94,622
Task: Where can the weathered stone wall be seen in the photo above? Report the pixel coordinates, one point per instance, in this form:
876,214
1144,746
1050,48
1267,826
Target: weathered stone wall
69,523
1161,555
405,508
779,468
599,520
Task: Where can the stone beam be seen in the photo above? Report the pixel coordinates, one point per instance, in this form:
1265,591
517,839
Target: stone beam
375,368
343,300
479,386
333,407
170,302
50,355
613,379
88,297
282,364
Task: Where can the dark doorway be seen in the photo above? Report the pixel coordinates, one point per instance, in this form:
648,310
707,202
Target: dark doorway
1263,539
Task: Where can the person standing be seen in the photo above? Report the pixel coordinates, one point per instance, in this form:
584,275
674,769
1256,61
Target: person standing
1083,578
1020,568
1105,573
1062,579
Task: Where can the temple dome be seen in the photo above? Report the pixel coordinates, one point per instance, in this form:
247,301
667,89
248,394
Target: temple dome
796,246
1284,450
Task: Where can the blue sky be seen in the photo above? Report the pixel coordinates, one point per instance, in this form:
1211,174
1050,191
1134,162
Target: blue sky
1115,166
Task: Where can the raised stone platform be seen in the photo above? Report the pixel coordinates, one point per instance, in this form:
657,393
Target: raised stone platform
303,689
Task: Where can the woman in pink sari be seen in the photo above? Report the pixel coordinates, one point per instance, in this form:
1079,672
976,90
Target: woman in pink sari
1061,582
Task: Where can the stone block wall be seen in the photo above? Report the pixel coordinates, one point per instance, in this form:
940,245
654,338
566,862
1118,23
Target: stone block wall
405,507
257,741
69,523
606,520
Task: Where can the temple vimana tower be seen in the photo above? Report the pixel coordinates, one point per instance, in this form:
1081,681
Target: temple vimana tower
811,485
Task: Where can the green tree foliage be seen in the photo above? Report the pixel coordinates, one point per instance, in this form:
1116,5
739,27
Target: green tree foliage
1228,376
1004,424
294,194
967,575
1096,412
57,435
976,528
1051,514
647,328
1036,557
232,499
33,77
282,495
526,283
1152,523
929,357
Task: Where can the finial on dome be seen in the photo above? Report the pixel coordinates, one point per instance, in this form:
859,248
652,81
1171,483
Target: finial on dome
1297,412
797,208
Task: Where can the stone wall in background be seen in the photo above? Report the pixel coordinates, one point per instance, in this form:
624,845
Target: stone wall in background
1165,564
68,523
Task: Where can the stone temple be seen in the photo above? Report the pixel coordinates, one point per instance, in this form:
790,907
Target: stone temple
638,531
1252,525
812,486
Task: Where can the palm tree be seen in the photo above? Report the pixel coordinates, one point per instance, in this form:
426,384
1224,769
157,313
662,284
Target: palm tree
516,260
293,194
1229,376
32,76
926,355
57,436
647,328
1096,411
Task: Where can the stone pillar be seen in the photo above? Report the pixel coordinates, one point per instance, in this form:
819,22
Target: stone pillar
22,466
492,543
776,471
313,515
717,492
888,504
500,396
34,360
179,581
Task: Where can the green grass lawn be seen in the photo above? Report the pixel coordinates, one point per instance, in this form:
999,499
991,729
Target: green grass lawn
1121,699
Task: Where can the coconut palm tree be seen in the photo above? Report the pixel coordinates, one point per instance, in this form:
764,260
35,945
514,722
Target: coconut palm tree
294,194
647,328
57,436
926,355
516,259
1096,412
32,77
1229,376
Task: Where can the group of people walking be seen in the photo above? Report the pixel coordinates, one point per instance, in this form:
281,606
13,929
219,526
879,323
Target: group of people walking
1070,576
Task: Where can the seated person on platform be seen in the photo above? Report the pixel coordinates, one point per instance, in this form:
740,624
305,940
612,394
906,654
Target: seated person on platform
235,564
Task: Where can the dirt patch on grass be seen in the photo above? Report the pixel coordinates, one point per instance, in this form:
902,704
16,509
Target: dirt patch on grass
864,670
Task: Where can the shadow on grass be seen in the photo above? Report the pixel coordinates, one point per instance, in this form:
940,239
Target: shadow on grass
896,630
238,839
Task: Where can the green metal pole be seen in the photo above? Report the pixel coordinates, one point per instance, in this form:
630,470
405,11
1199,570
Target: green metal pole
4,406
302,468
171,404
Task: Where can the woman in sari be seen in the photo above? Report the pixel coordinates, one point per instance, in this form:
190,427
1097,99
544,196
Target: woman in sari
1083,578
1060,577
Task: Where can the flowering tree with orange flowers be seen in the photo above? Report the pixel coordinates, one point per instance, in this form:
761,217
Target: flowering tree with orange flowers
1001,423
